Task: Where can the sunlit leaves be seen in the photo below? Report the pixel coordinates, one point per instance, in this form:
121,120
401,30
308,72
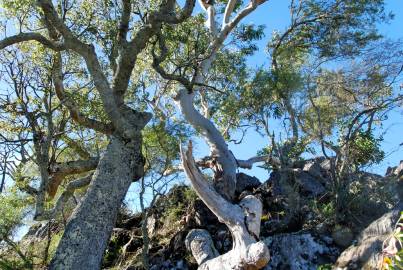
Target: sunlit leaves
365,148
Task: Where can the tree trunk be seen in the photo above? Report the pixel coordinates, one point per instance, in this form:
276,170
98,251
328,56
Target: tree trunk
87,233
3,178
242,220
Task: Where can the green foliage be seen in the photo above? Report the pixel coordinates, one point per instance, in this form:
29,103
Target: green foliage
325,267
179,200
325,210
347,28
161,145
12,211
112,252
365,149
13,264
54,242
190,195
247,34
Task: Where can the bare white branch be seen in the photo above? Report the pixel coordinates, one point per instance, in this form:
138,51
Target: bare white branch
228,11
248,163
224,210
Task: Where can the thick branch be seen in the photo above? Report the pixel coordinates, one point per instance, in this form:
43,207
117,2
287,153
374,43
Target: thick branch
227,28
124,22
22,37
228,11
69,103
128,52
248,163
94,68
243,221
186,12
225,169
64,197
224,210
59,171
77,147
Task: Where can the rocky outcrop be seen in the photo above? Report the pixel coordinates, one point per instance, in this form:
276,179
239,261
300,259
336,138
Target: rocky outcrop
367,253
296,224
299,251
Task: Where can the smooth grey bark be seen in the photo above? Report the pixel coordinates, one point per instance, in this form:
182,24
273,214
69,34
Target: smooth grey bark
242,220
86,235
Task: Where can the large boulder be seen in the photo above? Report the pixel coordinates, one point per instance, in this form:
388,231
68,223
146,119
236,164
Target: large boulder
309,185
299,251
395,171
314,168
366,254
246,182
203,216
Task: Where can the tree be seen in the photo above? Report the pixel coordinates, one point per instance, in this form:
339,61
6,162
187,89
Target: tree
117,53
351,102
66,35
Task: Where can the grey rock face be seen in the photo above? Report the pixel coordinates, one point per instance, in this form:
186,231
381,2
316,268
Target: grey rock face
313,168
246,182
342,236
366,254
309,183
395,171
299,251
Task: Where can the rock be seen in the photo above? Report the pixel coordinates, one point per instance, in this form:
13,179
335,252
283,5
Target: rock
169,265
395,171
367,253
274,183
342,236
309,183
321,228
203,216
389,171
326,164
298,251
399,170
313,168
246,182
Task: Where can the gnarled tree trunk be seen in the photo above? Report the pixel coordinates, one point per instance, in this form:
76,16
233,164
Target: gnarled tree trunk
243,221
87,233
